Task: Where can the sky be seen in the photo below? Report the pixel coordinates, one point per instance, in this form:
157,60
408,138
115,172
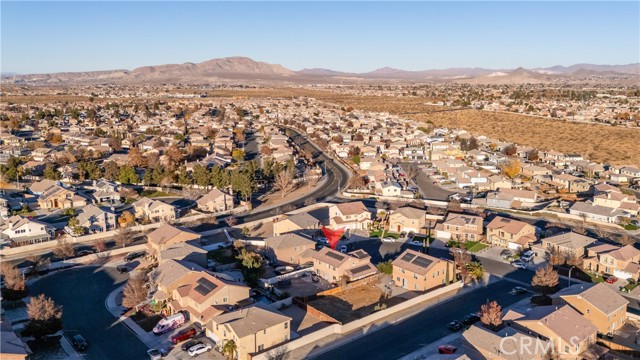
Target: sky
43,37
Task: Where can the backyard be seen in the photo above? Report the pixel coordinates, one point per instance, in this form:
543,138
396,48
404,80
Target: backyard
471,246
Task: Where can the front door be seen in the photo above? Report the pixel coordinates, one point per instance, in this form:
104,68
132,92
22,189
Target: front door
399,228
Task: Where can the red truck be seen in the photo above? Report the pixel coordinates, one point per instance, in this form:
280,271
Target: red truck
183,335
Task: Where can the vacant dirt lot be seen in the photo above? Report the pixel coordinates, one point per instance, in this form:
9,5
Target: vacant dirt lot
352,304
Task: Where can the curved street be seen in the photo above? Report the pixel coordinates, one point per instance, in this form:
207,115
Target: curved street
82,293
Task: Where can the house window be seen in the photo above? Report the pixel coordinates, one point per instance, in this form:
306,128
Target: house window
224,299
286,325
264,331
588,311
566,349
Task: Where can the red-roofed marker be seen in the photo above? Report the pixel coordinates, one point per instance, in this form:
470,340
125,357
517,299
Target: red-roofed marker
333,236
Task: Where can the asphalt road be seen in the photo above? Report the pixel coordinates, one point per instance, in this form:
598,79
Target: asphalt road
402,338
429,190
82,293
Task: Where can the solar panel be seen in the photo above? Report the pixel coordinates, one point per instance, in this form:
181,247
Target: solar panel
335,256
408,257
205,286
360,269
421,261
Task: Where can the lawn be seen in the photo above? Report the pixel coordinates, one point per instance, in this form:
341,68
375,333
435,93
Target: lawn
378,233
630,287
596,278
471,246
630,227
375,233
222,256
153,193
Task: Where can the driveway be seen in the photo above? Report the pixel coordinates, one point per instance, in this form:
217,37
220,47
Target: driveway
82,293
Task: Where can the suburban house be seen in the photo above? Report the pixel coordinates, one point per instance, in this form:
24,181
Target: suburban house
388,188
39,187
568,243
254,329
617,200
332,265
571,333
11,346
621,262
351,216
105,191
96,219
596,212
155,210
420,272
187,251
204,296
166,235
289,248
298,222
407,219
509,233
460,227
505,198
215,201
599,303
23,231
484,341
57,197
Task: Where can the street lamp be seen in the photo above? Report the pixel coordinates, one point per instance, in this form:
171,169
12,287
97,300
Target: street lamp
570,275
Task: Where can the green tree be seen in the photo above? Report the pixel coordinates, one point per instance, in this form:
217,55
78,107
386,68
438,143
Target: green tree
51,173
475,270
10,171
229,349
202,176
252,266
242,182
238,155
128,175
385,267
111,170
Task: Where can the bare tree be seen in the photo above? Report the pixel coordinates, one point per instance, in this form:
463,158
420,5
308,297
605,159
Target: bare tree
454,206
134,292
288,207
573,259
309,201
124,237
63,249
411,172
491,315
462,259
284,182
625,239
39,263
556,257
545,280
13,279
99,245
45,317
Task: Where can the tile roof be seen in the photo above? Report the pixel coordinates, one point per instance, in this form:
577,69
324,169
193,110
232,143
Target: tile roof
251,320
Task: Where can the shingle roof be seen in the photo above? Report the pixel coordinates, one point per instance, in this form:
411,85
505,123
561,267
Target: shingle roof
416,262
287,240
167,232
251,320
600,295
570,240
563,321
509,226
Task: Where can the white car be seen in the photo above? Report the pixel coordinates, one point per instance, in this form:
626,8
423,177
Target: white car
199,349
519,265
388,239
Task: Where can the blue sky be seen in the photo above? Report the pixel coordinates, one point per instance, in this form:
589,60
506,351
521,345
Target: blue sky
355,36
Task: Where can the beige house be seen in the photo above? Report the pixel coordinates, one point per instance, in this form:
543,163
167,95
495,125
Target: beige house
509,233
420,272
204,296
599,303
460,227
253,329
155,210
301,221
485,342
289,248
407,219
11,346
332,265
57,197
621,262
569,243
570,333
351,216
166,235
215,201
188,251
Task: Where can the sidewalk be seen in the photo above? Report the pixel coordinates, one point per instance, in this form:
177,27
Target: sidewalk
72,354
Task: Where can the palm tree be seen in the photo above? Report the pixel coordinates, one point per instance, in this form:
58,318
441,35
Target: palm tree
229,349
475,270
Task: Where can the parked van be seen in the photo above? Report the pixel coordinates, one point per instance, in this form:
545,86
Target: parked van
169,323
527,256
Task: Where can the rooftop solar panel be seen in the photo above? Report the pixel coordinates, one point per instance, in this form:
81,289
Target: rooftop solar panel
421,261
335,256
408,257
360,269
205,286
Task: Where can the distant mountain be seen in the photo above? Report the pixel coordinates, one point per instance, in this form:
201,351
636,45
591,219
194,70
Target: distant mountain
248,69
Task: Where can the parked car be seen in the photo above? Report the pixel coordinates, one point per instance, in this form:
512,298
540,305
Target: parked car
343,249
471,319
517,290
447,349
79,343
189,344
527,255
134,255
199,349
403,234
415,243
455,325
122,269
388,239
611,279
519,265
154,354
183,335
506,253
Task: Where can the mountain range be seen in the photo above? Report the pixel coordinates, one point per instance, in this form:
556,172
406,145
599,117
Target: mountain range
243,68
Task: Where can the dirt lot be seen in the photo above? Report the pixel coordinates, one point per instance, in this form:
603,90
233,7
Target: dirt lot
352,304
